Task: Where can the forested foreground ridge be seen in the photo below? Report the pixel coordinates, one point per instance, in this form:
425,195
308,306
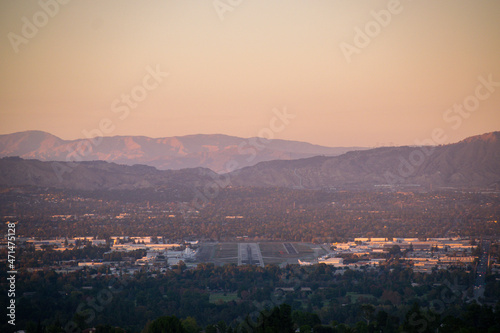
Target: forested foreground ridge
232,298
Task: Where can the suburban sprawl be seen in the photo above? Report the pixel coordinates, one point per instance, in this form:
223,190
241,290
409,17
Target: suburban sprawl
332,260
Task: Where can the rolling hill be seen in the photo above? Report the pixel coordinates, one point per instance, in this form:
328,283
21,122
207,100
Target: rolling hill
219,153
473,162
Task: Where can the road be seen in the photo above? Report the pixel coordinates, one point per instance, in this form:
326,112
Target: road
482,267
249,254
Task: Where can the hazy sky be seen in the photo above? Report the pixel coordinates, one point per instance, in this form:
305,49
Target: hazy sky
68,69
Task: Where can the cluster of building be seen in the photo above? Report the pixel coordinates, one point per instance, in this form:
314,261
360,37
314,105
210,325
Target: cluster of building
159,255
423,255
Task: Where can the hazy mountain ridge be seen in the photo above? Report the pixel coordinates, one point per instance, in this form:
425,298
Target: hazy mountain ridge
207,151
97,175
473,162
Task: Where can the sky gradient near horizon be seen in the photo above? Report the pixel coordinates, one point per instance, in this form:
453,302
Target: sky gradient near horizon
228,71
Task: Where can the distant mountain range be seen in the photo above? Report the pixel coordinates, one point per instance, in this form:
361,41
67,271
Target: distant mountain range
220,153
473,162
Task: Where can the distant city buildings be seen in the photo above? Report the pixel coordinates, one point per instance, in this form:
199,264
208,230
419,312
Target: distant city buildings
158,254
423,255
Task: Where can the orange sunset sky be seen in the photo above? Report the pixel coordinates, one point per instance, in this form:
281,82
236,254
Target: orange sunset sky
65,66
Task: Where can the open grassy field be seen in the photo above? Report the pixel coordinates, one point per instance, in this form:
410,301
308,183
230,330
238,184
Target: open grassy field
225,253
217,298
272,249
277,253
226,250
303,249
